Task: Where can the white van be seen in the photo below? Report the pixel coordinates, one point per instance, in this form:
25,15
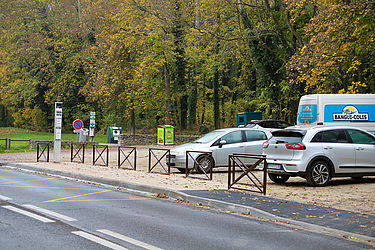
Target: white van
357,110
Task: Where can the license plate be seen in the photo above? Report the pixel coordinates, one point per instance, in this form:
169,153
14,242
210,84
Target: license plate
274,166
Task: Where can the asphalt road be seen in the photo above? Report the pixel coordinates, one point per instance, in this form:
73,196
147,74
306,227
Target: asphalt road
75,215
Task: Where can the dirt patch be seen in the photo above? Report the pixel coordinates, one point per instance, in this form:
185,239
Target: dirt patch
342,193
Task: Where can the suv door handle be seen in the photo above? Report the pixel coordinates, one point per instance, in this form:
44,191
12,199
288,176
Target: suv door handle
359,148
327,147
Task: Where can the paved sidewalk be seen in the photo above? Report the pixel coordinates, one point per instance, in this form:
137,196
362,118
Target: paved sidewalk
324,216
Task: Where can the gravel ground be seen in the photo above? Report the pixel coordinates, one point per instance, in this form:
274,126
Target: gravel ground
342,193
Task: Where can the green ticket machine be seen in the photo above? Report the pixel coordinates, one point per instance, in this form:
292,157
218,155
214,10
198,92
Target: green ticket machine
113,134
165,135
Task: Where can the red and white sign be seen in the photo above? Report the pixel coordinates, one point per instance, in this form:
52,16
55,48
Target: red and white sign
77,124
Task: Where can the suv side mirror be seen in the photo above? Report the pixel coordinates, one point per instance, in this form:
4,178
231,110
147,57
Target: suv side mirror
221,143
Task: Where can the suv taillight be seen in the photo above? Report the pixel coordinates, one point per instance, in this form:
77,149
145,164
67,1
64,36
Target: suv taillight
265,145
295,146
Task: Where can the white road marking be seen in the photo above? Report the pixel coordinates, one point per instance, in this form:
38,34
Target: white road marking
4,198
98,240
57,215
32,215
127,239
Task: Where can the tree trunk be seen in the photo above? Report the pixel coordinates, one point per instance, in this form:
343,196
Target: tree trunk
193,101
167,82
203,100
216,99
132,119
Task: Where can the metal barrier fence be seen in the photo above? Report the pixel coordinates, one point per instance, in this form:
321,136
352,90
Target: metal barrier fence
133,151
10,140
237,160
6,142
104,148
41,150
200,163
159,159
77,151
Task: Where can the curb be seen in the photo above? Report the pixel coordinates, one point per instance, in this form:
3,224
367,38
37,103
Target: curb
221,205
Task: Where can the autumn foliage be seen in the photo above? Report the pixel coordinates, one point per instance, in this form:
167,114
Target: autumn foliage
140,63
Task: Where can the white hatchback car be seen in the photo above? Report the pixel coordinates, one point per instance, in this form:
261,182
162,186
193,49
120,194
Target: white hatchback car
220,143
319,153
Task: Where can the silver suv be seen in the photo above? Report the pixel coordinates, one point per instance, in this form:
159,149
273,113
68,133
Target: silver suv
320,153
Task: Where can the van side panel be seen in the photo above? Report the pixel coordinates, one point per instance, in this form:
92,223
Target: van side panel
349,113
357,110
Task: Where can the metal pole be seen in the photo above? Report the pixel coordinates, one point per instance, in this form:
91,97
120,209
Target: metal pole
229,170
93,154
48,152
149,160
186,165
169,162
212,165
135,158
83,153
265,176
118,156
37,152
107,157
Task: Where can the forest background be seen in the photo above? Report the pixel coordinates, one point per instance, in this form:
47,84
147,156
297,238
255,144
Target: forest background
142,63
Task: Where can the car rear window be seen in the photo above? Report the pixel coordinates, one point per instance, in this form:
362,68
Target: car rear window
287,136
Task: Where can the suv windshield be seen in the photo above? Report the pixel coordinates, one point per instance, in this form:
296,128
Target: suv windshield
287,136
209,137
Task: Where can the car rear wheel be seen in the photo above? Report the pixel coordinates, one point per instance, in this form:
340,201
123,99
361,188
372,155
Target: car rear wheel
277,178
318,174
205,164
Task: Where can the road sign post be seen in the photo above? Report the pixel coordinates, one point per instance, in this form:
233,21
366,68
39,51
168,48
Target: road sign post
77,126
57,132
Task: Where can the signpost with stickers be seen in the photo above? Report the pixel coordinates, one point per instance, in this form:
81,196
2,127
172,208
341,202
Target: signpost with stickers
57,132
92,126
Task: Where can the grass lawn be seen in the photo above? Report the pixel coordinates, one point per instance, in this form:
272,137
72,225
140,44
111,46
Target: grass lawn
17,133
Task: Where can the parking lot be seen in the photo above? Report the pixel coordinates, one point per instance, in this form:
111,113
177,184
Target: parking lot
342,193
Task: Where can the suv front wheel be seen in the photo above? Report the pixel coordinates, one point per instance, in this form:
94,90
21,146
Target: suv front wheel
318,174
